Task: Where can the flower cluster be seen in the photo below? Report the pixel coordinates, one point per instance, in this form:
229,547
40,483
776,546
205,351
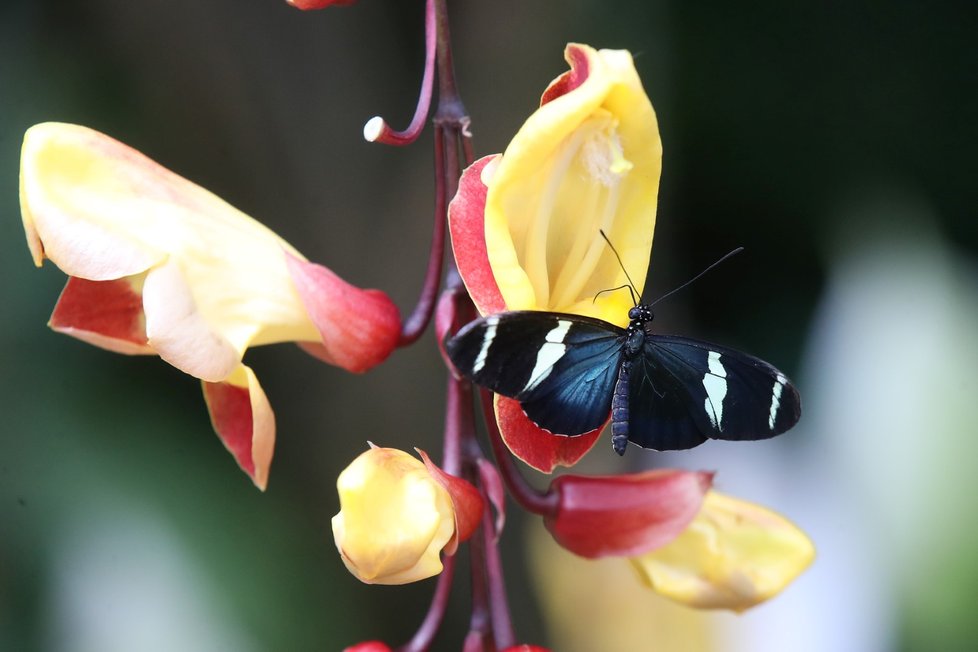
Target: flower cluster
157,265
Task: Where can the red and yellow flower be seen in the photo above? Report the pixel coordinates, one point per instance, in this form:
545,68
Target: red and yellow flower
158,265
525,224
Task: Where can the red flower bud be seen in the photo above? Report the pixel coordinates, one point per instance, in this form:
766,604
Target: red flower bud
319,4
369,646
624,515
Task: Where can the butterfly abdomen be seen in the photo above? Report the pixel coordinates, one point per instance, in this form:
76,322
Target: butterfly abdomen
619,408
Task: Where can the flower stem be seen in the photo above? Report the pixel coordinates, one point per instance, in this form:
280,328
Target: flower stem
377,130
417,322
502,624
422,639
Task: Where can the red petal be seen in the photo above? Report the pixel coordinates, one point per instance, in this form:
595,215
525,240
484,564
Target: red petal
466,500
108,314
537,447
625,515
493,486
244,421
452,312
580,68
466,223
369,646
359,328
319,4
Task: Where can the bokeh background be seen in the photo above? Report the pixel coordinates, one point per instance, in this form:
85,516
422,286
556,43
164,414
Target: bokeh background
835,141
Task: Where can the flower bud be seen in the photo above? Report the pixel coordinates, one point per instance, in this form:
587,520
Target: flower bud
369,646
624,515
319,4
397,514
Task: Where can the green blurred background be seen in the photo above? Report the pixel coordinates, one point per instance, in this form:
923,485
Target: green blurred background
835,141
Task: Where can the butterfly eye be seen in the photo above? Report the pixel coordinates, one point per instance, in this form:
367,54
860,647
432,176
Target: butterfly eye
635,313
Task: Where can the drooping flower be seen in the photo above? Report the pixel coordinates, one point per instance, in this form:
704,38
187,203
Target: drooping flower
733,555
624,515
158,265
398,514
525,225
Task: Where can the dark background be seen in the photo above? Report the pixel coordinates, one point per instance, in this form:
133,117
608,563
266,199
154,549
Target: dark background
834,140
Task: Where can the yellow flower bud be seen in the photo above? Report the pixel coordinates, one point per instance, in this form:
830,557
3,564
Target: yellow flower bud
396,515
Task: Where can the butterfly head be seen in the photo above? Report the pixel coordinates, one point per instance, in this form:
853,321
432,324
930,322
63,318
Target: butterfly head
640,314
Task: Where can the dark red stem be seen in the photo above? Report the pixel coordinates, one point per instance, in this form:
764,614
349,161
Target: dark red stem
422,639
502,625
416,323
377,130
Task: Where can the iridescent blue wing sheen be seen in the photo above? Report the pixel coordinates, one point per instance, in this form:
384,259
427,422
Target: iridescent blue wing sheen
684,391
560,367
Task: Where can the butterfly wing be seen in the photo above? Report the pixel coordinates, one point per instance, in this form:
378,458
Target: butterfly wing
561,368
685,391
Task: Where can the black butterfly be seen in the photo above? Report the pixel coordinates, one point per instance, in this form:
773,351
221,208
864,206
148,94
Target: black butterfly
662,391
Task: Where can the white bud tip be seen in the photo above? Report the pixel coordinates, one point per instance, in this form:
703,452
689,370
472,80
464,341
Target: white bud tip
373,129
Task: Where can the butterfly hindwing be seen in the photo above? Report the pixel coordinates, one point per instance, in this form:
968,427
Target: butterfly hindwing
693,390
560,367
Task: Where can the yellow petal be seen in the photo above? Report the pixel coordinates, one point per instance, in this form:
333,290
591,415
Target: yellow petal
733,556
217,280
586,160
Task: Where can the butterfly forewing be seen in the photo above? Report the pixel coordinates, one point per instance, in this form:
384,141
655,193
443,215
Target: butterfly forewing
727,395
560,367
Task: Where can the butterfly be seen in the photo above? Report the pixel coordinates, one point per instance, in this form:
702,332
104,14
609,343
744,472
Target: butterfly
664,392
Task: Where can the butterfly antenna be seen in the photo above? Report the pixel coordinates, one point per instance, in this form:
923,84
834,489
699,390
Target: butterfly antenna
620,287
631,285
671,292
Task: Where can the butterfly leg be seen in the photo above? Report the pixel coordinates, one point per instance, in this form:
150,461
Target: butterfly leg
619,408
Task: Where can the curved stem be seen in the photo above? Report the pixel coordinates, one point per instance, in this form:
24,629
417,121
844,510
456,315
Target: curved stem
422,639
529,498
377,130
416,323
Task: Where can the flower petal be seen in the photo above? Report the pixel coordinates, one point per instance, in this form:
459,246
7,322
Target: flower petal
466,501
538,448
319,4
369,646
467,226
106,314
358,328
624,515
102,211
734,555
586,160
179,332
243,419
492,484
75,187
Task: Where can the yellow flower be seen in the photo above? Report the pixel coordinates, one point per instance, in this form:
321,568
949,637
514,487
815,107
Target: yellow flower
158,265
733,555
397,514
525,225
589,158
